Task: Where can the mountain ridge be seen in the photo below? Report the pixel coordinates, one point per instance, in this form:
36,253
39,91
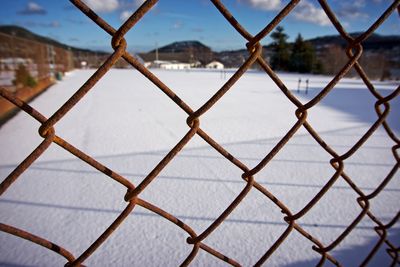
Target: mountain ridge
374,42
22,32
369,43
381,53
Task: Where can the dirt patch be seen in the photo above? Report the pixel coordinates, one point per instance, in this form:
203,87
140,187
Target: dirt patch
8,109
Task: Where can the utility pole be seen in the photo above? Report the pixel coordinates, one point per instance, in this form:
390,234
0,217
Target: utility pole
14,54
50,54
156,51
14,60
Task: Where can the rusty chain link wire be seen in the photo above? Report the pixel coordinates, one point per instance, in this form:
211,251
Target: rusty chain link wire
197,240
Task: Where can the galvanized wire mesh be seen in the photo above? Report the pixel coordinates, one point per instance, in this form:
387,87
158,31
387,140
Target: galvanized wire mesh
198,240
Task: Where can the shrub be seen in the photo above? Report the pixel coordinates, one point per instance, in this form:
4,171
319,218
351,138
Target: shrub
22,76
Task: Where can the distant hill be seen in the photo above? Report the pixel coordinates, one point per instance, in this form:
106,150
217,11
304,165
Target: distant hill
184,46
185,51
26,34
386,44
381,53
189,51
374,42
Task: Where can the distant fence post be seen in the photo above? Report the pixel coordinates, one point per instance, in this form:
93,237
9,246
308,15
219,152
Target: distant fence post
307,86
298,85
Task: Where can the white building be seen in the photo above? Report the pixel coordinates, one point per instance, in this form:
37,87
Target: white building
215,65
195,64
170,65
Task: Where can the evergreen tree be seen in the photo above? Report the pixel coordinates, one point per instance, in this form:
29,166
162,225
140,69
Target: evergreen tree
318,67
280,58
302,58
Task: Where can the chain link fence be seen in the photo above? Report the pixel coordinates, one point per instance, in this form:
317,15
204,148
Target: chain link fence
197,240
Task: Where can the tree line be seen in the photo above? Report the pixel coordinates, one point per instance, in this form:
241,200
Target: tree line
298,57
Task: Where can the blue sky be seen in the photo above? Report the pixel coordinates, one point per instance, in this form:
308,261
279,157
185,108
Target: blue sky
177,20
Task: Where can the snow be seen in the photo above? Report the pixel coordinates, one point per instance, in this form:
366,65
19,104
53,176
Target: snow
128,124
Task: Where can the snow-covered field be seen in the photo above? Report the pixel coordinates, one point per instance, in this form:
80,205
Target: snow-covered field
129,125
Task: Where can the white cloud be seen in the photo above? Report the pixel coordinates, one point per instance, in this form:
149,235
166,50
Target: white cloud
306,11
130,4
128,8
352,10
102,5
33,8
358,3
263,4
125,15
352,14
52,24
177,25
139,2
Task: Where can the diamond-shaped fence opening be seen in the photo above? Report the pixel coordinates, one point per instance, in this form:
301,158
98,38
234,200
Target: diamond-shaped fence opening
291,220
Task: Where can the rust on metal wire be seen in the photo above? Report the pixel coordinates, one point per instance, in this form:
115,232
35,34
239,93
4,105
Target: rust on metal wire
198,240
